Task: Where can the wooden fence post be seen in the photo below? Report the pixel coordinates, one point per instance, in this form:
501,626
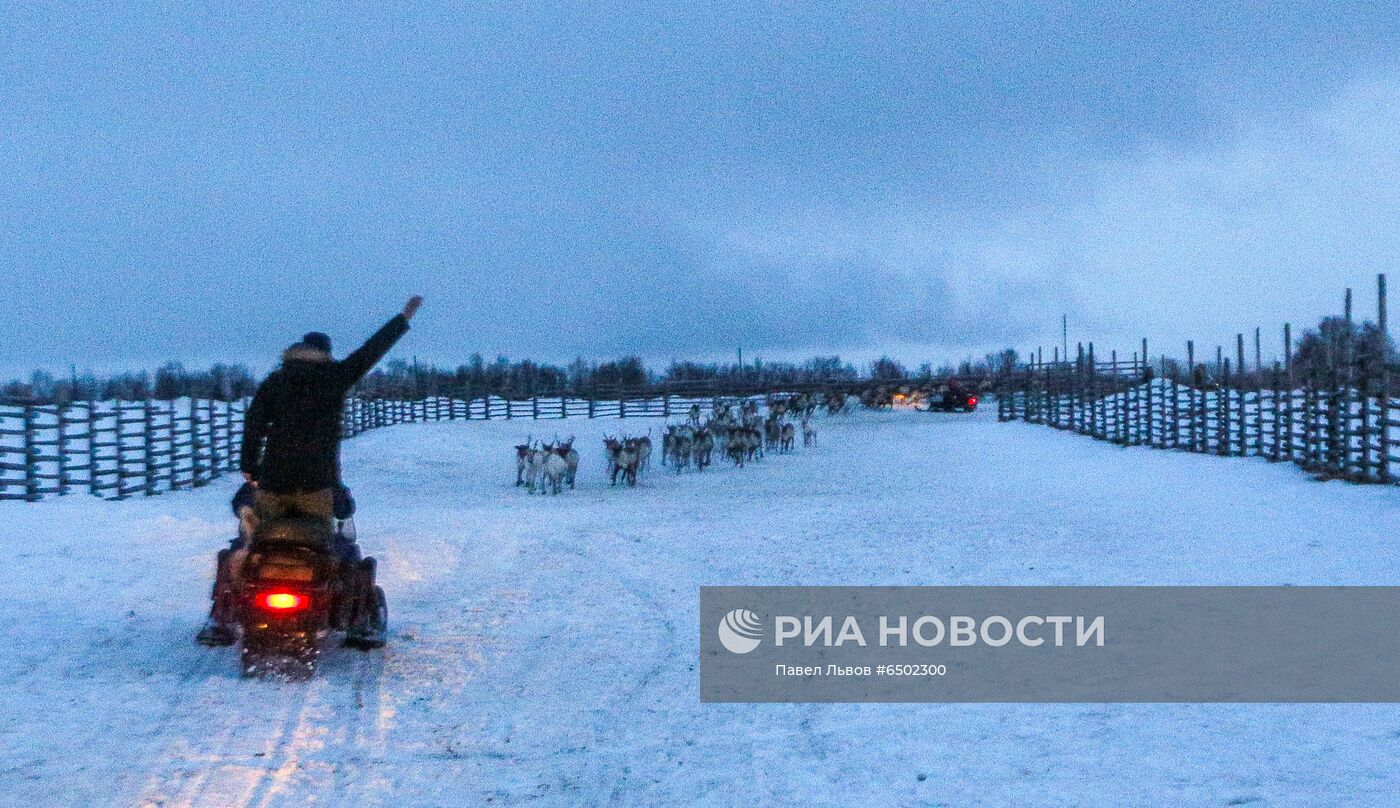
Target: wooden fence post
1222,410
1073,380
31,452
1383,422
1191,394
1308,439
148,446
1119,434
61,410
1147,380
1288,446
94,486
1091,398
1344,395
1242,393
1170,436
1364,459
1330,411
1383,393
196,462
1133,405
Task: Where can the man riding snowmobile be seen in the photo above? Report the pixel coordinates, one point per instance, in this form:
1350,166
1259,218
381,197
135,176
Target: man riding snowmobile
291,448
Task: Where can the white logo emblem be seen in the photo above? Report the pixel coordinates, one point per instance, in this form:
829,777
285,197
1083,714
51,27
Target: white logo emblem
740,631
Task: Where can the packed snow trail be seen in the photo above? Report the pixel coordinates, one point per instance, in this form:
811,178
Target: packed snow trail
544,649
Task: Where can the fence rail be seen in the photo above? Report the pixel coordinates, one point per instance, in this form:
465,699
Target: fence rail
118,449
1332,411
1344,431
114,449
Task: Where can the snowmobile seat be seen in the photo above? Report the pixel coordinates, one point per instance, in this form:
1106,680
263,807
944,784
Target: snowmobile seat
297,531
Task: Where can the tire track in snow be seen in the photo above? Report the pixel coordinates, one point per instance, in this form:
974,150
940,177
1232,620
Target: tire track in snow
218,720
610,780
202,764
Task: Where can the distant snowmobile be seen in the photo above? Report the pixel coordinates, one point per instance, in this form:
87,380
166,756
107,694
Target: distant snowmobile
954,399
292,591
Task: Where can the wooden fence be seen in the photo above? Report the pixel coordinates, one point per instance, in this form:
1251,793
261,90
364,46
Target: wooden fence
114,449
117,449
365,414
1345,430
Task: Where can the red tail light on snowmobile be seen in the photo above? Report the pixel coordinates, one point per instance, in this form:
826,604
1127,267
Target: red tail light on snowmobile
283,601
972,402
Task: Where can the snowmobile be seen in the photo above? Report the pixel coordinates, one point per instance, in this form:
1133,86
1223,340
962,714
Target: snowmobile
955,400
296,588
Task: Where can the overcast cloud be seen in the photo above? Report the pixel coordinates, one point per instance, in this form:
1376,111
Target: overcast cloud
199,184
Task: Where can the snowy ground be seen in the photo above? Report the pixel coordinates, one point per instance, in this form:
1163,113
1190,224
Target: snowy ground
544,650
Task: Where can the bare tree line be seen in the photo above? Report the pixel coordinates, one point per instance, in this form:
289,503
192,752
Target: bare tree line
502,377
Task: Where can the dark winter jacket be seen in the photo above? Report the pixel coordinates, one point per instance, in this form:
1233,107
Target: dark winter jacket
291,432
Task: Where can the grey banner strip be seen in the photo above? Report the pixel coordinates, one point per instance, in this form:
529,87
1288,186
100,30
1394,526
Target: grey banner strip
1049,644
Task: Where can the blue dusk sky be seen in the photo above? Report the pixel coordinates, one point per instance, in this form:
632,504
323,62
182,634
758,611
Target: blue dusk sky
206,181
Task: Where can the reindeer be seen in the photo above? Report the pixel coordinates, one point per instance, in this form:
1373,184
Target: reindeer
745,444
522,458
567,451
703,448
719,429
644,452
631,459
789,436
677,439
809,432
623,458
668,444
534,467
753,435
612,448
753,443
681,447
738,448
772,433
753,422
554,467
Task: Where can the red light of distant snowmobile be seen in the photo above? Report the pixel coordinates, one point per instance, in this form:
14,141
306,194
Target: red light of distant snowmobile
972,402
283,601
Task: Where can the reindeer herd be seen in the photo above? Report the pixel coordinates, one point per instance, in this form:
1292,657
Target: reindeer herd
736,431
546,467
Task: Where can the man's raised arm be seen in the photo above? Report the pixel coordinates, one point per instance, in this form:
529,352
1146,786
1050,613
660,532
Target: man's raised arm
357,364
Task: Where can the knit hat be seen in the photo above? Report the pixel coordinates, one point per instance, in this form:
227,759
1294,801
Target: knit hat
317,340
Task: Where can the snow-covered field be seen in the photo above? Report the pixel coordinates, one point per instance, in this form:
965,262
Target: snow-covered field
544,650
